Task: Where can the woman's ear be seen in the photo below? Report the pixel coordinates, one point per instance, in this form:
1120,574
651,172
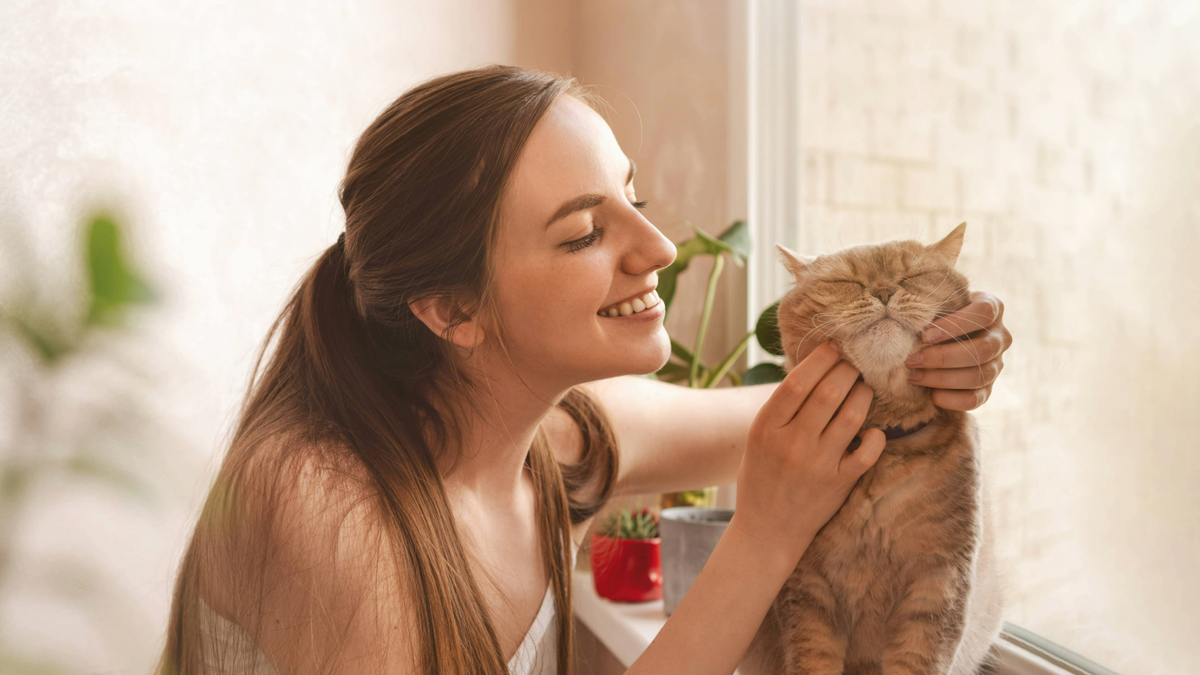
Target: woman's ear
437,313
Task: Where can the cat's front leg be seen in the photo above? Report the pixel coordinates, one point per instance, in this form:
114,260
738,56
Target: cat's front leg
812,643
927,623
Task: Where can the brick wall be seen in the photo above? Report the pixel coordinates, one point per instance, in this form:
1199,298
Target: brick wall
1047,127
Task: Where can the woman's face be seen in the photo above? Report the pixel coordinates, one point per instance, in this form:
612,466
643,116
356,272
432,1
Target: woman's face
571,245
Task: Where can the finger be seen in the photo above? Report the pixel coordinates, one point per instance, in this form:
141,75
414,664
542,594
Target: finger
849,420
961,399
957,378
975,316
979,296
962,353
856,463
791,393
824,400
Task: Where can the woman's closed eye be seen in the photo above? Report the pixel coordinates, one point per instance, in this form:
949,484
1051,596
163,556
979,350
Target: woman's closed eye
590,238
584,241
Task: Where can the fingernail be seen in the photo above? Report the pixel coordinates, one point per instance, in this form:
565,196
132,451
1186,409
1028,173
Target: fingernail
932,334
837,348
913,360
914,375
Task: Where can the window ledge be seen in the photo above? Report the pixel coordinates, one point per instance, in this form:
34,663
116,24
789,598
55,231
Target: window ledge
627,628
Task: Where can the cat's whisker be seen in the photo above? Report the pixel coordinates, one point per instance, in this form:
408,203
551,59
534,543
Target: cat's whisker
816,328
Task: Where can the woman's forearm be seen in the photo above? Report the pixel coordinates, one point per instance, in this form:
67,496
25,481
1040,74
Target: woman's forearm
709,631
676,438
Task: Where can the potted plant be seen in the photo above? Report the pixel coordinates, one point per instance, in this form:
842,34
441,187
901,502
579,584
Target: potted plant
626,562
691,528
686,366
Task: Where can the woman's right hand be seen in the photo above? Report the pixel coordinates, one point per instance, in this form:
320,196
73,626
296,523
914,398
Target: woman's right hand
795,472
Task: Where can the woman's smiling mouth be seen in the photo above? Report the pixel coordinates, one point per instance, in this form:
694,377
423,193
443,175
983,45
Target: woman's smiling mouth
634,305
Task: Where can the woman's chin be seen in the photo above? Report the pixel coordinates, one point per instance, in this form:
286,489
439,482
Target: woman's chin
654,357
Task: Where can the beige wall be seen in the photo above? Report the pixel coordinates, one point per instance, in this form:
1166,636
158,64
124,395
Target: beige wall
663,68
1065,134
221,131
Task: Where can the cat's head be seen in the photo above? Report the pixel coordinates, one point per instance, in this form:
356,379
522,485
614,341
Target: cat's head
874,300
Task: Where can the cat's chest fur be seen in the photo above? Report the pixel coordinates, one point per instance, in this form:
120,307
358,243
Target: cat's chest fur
911,505
918,503
873,526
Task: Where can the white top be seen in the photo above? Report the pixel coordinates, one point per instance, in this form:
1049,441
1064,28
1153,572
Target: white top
536,655
538,652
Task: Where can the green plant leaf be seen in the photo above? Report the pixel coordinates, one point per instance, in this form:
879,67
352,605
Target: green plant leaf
702,330
737,236
114,284
714,246
679,350
735,240
763,373
49,348
667,278
672,372
718,372
691,247
767,330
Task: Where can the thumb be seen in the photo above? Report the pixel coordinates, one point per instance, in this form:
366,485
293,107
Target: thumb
856,464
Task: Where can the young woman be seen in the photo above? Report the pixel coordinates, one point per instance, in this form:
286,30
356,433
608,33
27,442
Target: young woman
442,415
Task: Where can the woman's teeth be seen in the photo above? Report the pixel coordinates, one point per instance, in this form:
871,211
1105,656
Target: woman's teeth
633,306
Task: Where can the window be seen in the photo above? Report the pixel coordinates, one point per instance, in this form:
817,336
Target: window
1065,136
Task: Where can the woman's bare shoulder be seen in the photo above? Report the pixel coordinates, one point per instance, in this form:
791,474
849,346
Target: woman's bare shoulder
310,545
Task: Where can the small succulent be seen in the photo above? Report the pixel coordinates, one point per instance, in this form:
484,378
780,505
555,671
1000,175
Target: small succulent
631,524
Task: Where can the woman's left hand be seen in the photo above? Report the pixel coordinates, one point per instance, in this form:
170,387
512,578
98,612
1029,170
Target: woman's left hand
962,370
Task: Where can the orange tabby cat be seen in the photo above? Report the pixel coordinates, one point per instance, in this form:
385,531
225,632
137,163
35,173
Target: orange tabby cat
902,580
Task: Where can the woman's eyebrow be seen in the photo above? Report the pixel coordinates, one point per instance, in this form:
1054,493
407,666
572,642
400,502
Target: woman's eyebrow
589,200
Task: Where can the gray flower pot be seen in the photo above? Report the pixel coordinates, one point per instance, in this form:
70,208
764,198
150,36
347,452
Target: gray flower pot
689,534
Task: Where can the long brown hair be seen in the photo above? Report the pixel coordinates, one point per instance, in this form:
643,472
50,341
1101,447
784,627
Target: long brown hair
360,388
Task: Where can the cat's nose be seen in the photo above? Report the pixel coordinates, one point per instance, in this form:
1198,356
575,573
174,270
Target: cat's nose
883,292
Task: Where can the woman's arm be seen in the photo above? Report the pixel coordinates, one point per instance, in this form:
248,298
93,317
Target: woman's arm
674,437
718,616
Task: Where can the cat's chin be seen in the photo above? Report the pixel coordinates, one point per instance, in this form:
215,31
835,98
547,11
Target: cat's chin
879,352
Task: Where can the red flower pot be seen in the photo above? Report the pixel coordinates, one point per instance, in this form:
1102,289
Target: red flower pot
627,570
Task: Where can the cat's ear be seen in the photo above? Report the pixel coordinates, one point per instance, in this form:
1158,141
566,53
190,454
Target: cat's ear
951,244
794,262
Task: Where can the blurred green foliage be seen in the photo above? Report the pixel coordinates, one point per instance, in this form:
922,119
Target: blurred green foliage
58,334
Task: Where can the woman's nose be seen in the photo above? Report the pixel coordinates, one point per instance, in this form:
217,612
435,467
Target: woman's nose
649,249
